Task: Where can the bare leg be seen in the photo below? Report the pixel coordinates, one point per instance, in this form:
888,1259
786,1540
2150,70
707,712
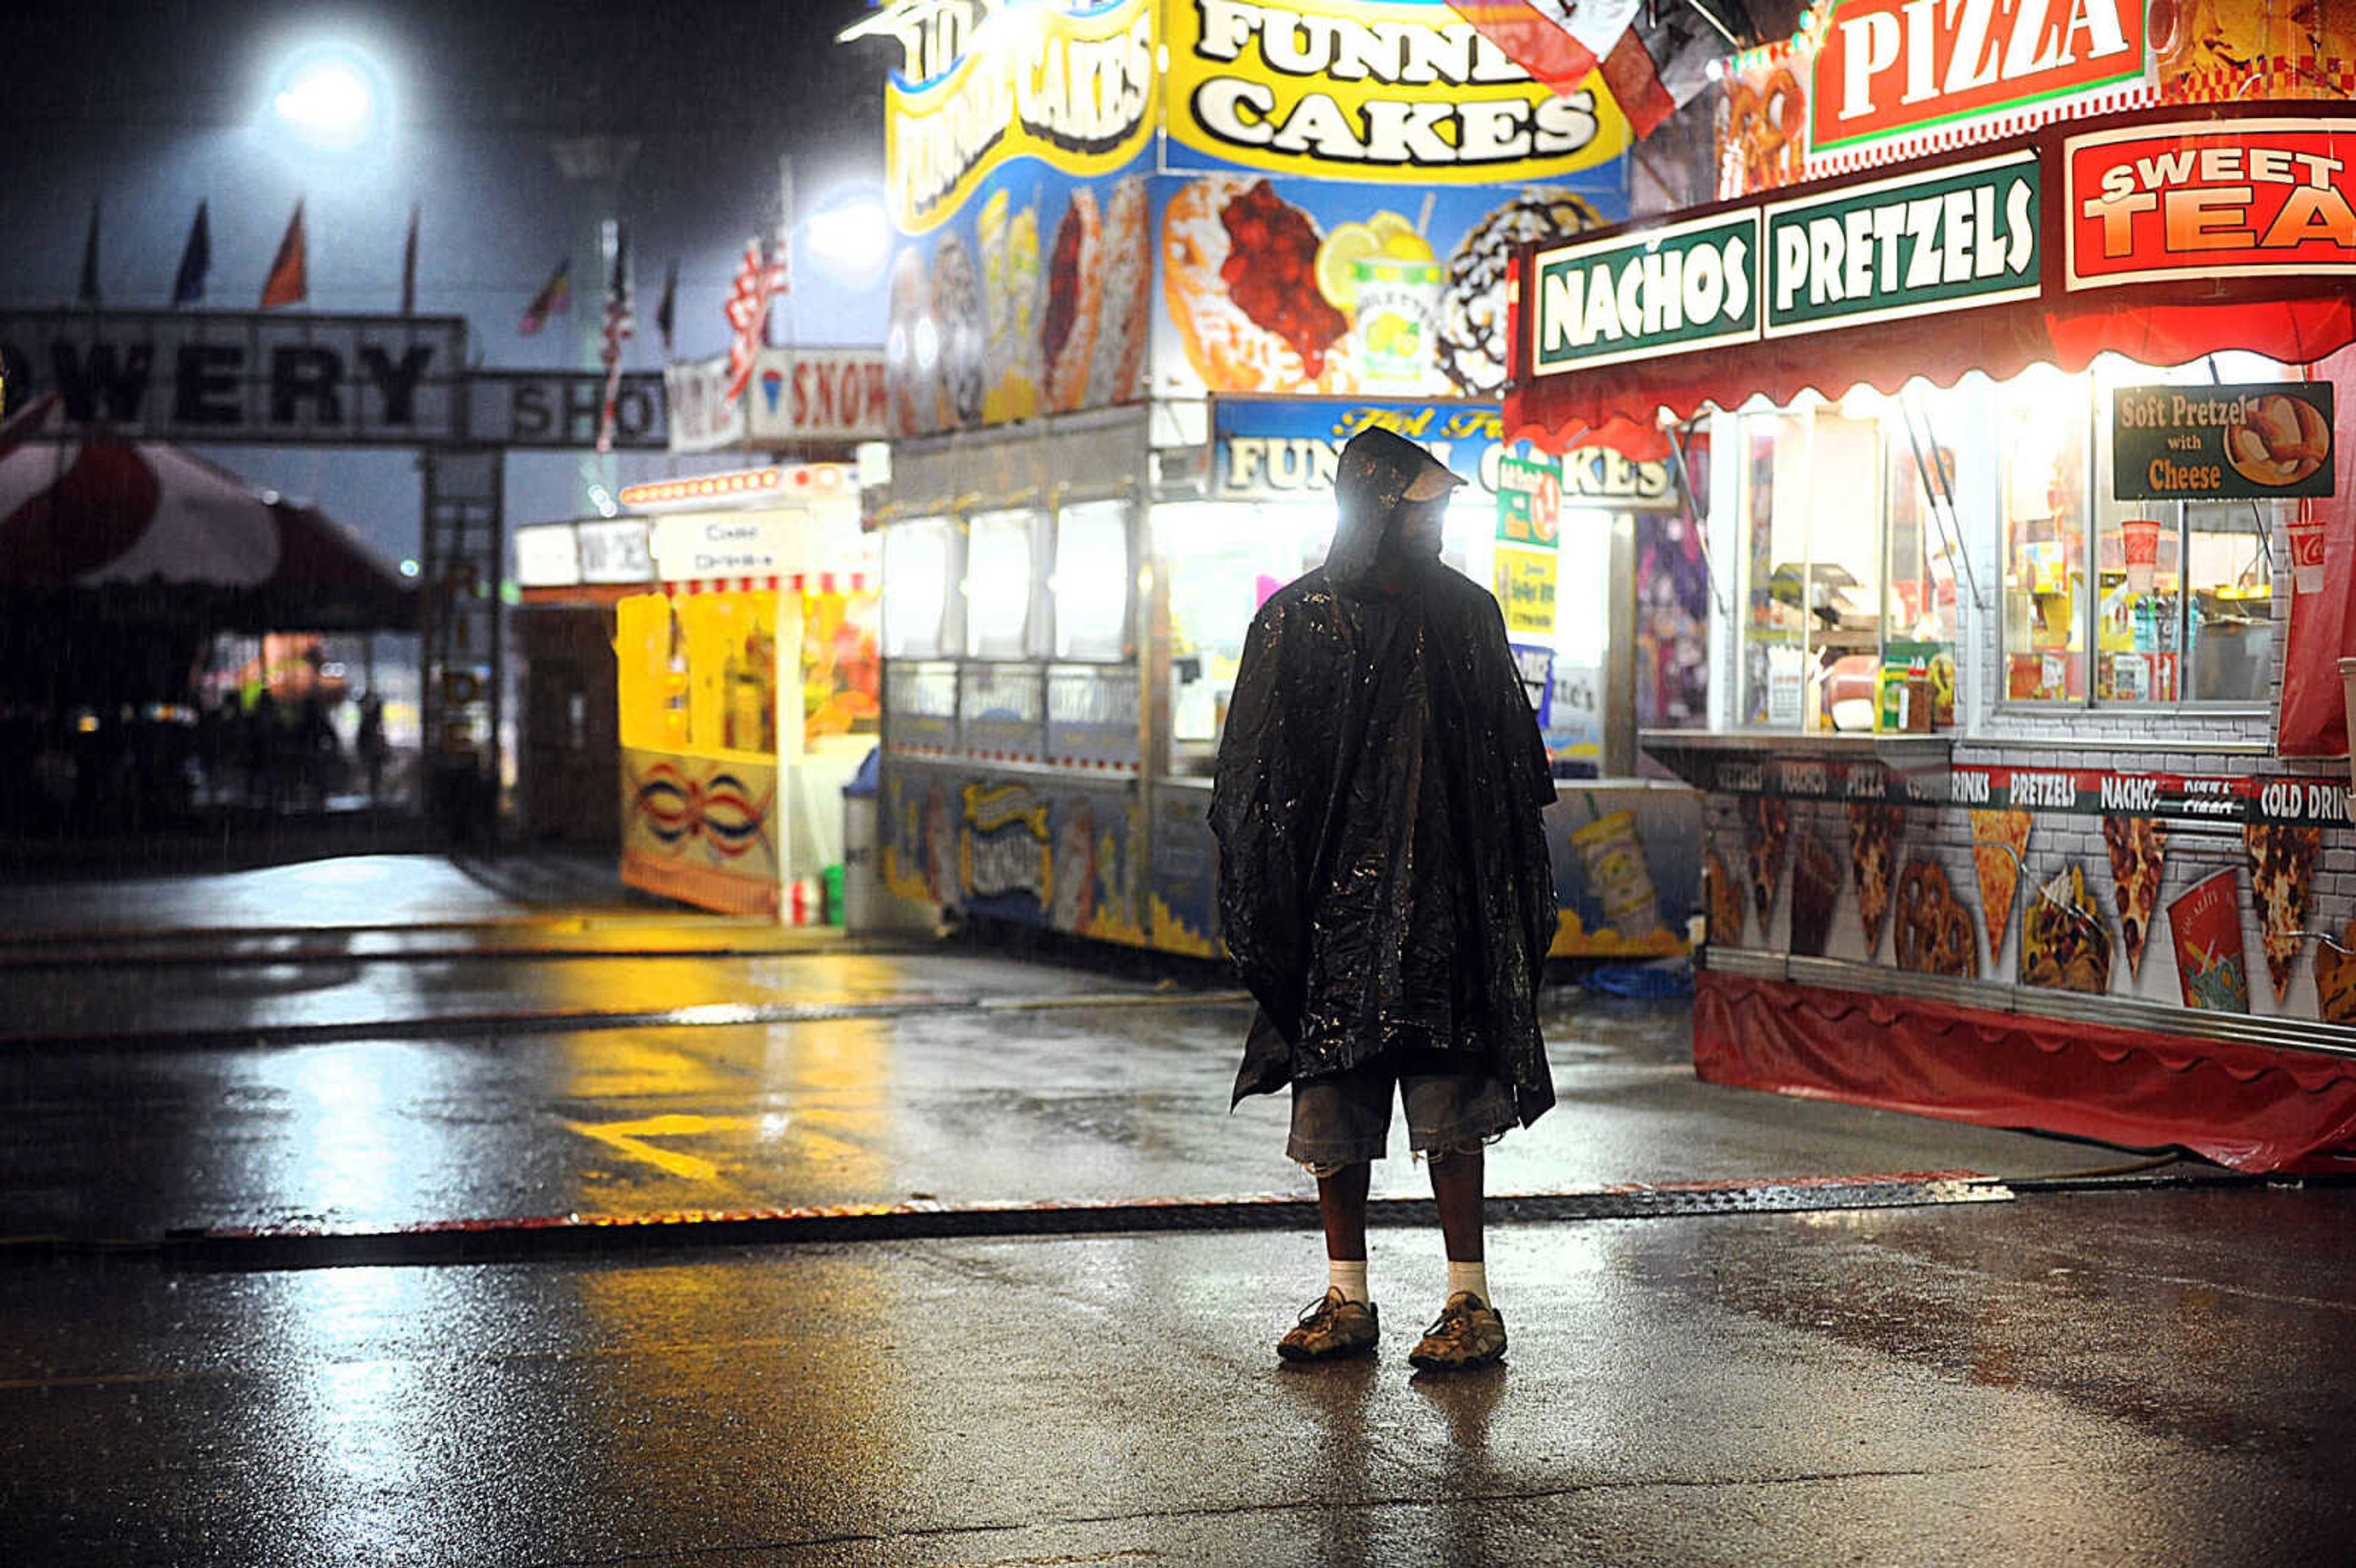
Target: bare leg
1342,1203
1456,1187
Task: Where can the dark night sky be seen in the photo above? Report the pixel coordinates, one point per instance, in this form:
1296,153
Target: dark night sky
150,107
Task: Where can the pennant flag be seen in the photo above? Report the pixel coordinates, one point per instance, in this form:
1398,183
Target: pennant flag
749,295
86,296
556,294
195,260
409,266
1561,42
621,325
666,312
287,284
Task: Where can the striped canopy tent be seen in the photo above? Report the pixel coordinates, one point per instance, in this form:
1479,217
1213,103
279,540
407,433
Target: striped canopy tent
156,534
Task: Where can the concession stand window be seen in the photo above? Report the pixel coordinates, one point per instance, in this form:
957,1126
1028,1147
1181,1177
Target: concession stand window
1845,558
1223,562
1003,617
2092,476
2138,601
921,562
1091,582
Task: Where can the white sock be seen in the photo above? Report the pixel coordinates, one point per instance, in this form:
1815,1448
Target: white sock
1474,1277
1348,1275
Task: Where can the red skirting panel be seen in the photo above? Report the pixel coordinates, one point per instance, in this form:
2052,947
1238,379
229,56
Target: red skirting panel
2253,1107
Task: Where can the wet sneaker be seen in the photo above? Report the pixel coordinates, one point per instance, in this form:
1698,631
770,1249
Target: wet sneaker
1331,1325
1469,1333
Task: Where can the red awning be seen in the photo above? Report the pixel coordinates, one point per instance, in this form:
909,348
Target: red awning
2293,319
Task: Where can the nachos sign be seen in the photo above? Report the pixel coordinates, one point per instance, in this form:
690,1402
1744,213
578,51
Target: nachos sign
2232,198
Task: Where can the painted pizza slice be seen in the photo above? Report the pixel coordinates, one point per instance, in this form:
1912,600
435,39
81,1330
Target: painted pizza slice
2138,848
2282,870
1766,824
1874,831
1999,843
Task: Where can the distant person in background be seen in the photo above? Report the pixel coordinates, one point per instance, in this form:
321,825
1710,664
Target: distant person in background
318,752
265,743
1384,884
370,745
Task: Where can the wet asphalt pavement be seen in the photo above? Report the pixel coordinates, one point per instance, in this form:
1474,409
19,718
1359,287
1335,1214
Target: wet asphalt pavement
2063,1372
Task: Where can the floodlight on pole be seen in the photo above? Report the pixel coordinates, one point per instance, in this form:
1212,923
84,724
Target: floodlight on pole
331,98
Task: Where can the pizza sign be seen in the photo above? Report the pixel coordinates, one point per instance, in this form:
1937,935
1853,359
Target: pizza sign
1888,68
2240,198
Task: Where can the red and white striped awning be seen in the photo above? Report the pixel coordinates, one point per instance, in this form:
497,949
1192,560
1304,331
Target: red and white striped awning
82,508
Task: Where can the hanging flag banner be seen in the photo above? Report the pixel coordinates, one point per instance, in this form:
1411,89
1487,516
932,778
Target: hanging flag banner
1962,236
1888,68
2211,200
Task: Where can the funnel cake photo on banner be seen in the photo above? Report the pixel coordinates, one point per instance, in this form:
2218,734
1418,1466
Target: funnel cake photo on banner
1073,284
1874,831
1766,822
1239,279
2282,870
1934,931
1472,339
912,349
2000,841
1117,370
1816,893
2064,944
1008,241
2138,848
963,337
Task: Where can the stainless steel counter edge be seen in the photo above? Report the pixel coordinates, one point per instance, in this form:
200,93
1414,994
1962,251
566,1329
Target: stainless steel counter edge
2030,1002
1826,743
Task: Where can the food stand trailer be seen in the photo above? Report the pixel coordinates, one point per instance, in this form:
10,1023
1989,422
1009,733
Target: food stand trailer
2031,536
731,797
1129,331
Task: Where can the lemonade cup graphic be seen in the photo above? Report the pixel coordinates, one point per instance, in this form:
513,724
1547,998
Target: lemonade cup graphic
1383,273
1398,305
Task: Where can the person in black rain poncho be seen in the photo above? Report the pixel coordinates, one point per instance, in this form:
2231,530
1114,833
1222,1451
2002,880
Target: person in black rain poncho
1384,884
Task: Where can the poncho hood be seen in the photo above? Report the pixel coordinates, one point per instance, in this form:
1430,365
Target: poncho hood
1380,472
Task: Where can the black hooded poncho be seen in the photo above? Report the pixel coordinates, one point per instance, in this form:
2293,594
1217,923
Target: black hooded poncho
1384,879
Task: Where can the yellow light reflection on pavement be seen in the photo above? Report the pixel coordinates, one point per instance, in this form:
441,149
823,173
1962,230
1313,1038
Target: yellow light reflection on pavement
628,1139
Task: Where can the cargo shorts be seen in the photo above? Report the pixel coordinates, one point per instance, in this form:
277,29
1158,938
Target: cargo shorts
1345,1118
